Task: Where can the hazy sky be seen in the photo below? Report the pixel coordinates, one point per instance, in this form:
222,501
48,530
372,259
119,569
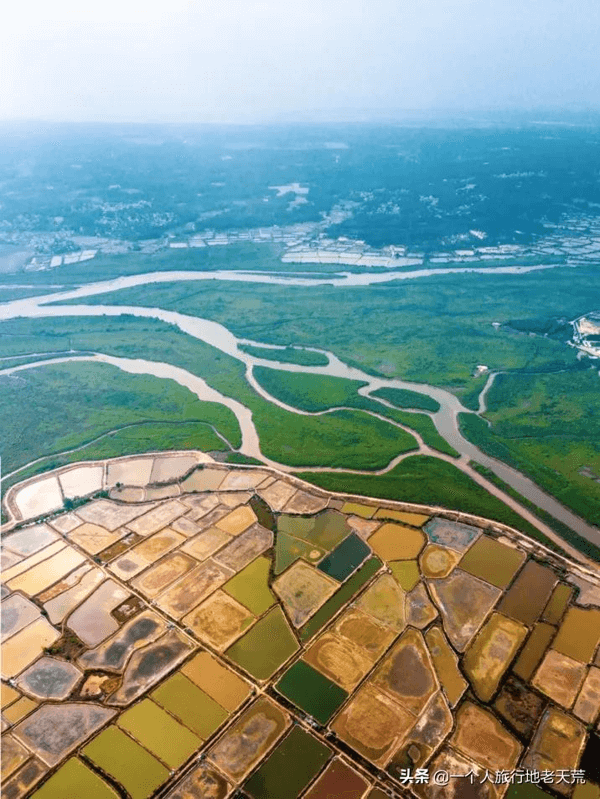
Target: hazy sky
254,60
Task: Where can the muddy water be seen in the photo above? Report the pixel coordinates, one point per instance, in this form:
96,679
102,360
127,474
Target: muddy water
279,279
218,336
250,442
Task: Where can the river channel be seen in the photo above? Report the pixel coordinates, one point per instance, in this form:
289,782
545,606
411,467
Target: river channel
219,337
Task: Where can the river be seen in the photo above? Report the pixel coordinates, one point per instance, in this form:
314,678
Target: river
218,336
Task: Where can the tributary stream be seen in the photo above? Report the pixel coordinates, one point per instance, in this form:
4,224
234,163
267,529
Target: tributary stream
218,336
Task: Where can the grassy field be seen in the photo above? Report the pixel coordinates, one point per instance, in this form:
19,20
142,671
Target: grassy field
316,393
311,393
547,426
423,425
288,355
470,396
407,399
434,330
128,337
7,294
427,481
8,363
53,408
250,256
343,439
106,266
346,439
246,256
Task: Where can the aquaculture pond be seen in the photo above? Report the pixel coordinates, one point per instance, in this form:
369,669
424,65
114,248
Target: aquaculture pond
233,633
345,558
324,530
251,586
311,691
265,647
289,768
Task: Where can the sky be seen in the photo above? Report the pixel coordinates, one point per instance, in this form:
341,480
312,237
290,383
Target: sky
268,60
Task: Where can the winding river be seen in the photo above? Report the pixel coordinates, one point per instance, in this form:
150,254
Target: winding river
219,337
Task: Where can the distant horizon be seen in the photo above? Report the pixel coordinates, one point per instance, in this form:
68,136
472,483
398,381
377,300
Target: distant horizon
543,115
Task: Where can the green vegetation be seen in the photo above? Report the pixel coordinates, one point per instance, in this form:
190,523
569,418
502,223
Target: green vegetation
107,265
237,457
426,481
347,438
547,426
316,393
476,429
50,409
9,363
7,294
407,399
435,329
423,425
427,328
580,543
312,393
340,439
287,355
432,330
470,396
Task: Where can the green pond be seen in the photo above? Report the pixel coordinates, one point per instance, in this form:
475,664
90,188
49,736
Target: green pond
311,691
251,586
159,733
265,647
288,549
263,513
74,779
406,573
344,593
345,558
492,561
190,705
325,530
127,762
290,767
